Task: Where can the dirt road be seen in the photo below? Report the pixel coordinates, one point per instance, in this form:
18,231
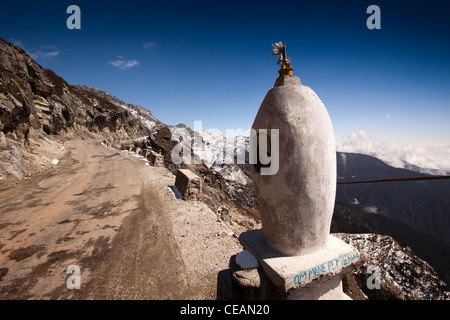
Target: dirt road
110,215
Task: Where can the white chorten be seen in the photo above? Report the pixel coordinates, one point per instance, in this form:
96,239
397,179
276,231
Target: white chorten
296,203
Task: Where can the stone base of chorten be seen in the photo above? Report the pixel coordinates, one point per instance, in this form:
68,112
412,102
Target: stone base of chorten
314,276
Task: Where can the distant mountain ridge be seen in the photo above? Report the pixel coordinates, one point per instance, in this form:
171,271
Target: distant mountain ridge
423,205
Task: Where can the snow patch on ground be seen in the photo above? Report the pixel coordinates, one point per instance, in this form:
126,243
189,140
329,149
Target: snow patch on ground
175,192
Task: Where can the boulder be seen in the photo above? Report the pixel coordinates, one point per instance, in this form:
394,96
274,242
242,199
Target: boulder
188,184
157,159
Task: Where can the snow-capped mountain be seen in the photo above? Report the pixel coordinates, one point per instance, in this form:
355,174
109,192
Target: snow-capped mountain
208,148
223,153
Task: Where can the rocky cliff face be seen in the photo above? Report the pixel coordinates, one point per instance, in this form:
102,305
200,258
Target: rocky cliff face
144,116
39,108
390,271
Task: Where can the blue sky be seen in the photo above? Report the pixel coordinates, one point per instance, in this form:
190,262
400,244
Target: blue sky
209,60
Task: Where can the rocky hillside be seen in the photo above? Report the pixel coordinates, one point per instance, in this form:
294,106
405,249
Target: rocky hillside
144,116
209,150
38,109
221,182
401,273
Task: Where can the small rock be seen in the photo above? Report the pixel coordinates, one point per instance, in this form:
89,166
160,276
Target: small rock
247,278
223,214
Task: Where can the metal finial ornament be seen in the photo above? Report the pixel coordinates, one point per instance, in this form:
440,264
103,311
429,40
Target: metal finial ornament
279,48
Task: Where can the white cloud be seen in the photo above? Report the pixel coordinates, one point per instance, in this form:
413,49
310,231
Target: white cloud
149,45
123,63
17,43
43,52
388,116
371,209
433,158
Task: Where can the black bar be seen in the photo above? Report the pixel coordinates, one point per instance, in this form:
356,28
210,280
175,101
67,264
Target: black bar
398,179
